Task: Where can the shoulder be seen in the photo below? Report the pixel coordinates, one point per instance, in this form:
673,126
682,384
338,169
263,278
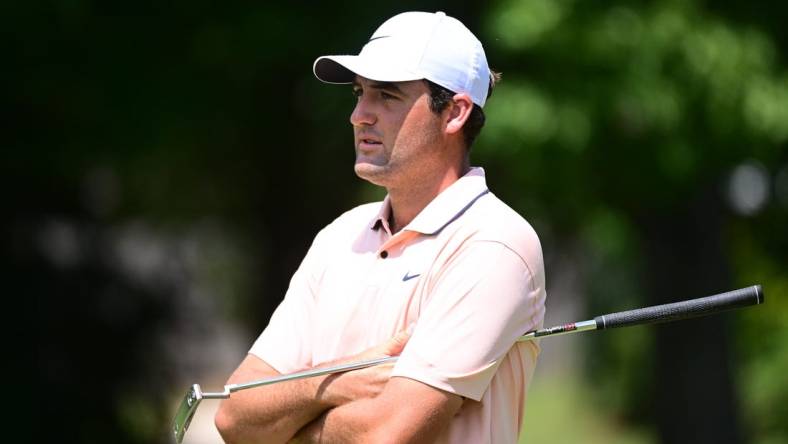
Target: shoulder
349,223
359,216
338,235
490,219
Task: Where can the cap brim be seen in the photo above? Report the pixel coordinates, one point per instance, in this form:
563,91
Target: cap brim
344,69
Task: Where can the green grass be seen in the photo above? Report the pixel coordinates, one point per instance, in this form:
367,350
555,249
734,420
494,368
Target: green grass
560,409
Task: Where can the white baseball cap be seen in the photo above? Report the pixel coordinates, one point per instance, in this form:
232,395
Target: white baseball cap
413,46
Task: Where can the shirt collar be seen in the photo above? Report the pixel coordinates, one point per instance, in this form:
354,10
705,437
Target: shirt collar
382,218
446,207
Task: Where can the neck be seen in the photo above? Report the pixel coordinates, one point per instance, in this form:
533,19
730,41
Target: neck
407,202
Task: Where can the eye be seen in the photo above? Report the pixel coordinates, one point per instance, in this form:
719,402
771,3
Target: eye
357,92
386,96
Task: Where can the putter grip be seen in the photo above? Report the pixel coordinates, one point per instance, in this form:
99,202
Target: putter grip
682,310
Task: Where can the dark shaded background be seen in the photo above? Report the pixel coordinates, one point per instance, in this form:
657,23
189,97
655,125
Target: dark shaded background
166,167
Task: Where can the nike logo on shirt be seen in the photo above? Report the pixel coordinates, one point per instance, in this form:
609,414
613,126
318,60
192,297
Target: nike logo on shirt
407,278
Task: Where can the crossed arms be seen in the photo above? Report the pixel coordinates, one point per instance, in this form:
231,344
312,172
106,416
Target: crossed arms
366,405
358,406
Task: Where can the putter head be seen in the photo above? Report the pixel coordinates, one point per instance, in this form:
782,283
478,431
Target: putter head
186,412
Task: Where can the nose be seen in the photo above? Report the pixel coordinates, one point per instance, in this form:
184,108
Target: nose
362,114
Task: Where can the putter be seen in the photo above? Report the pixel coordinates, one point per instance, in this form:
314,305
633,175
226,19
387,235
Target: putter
649,315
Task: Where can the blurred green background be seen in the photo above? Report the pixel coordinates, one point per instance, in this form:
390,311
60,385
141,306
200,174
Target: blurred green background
166,166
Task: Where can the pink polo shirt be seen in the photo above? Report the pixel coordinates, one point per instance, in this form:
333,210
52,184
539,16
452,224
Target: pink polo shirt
467,272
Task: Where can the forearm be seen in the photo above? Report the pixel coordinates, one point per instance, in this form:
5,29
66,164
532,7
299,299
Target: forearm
274,413
271,413
350,423
396,416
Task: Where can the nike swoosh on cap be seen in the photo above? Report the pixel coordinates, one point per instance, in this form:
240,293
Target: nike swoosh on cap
407,278
378,37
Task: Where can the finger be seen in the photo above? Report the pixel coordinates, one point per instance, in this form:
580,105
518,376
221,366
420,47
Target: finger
396,344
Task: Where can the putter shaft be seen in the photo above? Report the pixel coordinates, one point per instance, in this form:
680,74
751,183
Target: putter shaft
564,329
230,388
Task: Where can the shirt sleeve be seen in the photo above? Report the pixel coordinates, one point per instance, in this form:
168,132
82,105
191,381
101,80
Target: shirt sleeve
286,343
480,302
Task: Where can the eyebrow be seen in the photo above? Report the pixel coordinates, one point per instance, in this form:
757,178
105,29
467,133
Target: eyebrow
385,86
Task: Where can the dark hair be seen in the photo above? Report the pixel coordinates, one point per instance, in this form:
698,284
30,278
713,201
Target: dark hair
440,98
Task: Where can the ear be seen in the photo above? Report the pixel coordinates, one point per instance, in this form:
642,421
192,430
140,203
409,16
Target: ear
460,109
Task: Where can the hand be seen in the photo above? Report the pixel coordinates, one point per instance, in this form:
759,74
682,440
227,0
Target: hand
391,347
341,388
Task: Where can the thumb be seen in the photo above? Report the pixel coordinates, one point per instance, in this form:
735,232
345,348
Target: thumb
395,345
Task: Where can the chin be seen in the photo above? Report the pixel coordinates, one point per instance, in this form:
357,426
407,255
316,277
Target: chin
371,173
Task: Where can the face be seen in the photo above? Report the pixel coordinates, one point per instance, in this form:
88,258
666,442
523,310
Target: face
397,136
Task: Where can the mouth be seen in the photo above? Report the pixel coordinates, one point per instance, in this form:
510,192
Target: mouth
369,143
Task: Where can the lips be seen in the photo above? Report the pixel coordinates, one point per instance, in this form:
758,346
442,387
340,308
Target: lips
368,141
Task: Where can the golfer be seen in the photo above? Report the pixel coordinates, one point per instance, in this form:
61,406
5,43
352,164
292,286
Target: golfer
441,272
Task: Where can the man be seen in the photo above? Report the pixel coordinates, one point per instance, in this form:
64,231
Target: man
441,273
